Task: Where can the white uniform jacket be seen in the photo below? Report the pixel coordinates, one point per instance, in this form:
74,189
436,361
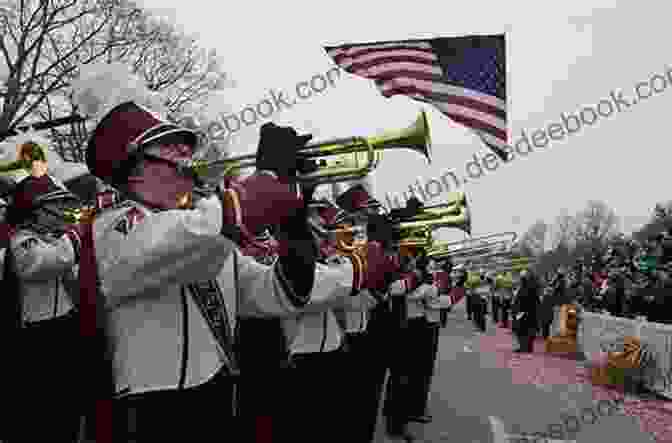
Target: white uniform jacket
145,260
435,301
44,265
47,274
425,302
317,329
415,301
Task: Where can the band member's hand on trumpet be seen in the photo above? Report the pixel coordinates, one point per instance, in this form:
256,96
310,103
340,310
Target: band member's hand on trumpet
329,161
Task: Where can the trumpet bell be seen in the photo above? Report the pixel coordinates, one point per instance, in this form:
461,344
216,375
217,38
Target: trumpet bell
415,137
355,157
433,218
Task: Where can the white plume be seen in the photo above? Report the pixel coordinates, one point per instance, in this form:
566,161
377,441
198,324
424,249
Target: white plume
7,153
103,86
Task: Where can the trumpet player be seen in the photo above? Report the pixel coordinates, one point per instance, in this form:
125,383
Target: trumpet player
262,352
427,341
161,269
39,313
354,207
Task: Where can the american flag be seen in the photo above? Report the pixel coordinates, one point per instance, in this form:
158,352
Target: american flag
463,77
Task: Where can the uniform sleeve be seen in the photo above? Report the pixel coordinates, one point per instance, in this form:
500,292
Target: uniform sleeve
270,293
420,292
398,287
138,251
39,259
405,284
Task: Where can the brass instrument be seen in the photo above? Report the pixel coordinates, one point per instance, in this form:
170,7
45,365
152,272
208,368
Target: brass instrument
355,156
83,215
453,214
349,239
421,238
512,265
496,248
457,248
477,258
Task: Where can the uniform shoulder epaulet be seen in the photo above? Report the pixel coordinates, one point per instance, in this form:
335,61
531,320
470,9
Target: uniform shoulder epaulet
107,199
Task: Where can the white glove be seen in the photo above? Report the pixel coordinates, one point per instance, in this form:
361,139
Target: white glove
363,301
397,288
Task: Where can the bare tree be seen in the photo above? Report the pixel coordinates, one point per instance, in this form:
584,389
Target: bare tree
562,232
661,220
44,42
596,224
533,241
41,41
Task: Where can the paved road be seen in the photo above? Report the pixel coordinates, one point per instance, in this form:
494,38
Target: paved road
469,388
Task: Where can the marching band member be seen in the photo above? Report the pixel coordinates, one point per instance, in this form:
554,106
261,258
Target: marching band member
262,352
154,254
317,335
147,247
39,290
367,323
504,287
424,305
427,341
396,408
160,270
358,207
444,285
459,278
495,299
479,301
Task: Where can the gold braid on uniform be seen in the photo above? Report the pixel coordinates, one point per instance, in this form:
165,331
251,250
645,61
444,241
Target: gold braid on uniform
358,260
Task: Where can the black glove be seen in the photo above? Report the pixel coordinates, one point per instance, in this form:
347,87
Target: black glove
303,251
413,206
277,150
380,229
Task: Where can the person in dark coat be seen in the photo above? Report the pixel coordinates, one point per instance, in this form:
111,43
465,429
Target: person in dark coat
615,294
526,311
559,296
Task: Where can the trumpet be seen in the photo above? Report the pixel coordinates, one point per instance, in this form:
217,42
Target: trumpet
496,248
458,248
421,238
471,258
515,264
454,214
355,157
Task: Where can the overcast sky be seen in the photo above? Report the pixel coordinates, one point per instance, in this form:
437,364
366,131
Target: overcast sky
561,57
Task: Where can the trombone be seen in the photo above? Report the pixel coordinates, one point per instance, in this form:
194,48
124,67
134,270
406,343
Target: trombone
355,156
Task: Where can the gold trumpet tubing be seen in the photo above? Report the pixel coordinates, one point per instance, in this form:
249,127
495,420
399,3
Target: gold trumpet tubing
481,257
443,249
435,218
501,267
512,262
459,254
416,138
473,240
